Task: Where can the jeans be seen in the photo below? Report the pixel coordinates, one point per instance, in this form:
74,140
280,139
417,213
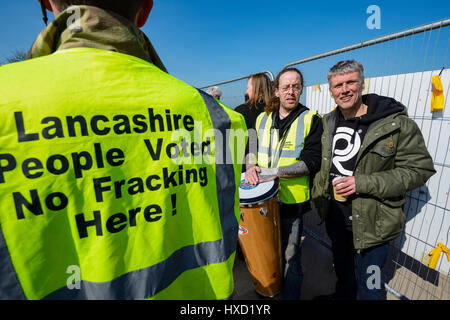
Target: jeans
368,272
358,273
291,231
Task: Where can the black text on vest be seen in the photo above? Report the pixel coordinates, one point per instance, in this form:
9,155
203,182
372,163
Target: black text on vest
101,125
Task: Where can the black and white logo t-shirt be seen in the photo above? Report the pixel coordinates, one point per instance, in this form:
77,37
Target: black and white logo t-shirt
347,141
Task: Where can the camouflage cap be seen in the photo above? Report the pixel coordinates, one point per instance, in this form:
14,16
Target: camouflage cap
93,27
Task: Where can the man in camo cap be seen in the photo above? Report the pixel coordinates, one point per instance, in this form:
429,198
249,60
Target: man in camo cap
103,26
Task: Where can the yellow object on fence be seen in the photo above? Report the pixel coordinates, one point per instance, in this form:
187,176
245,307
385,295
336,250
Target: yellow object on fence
437,98
436,254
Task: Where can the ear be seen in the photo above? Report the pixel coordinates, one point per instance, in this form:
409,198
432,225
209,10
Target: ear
144,12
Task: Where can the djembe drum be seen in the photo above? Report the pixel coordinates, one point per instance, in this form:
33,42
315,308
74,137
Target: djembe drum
260,235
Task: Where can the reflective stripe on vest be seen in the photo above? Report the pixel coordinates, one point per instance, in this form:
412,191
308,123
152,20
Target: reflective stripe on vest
292,190
10,288
201,265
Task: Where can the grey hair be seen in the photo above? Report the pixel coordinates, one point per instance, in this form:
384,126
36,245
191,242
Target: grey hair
344,67
214,91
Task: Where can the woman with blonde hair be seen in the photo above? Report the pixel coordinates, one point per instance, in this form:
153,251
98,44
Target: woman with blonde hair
257,97
259,93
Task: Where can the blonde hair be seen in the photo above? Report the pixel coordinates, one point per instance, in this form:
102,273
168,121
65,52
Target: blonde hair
262,90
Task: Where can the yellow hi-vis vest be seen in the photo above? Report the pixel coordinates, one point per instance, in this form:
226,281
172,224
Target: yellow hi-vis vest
274,152
113,183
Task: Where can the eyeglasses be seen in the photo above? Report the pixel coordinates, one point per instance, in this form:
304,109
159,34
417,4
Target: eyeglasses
287,89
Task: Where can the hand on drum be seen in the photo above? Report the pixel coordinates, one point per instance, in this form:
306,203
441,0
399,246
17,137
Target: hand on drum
251,175
256,175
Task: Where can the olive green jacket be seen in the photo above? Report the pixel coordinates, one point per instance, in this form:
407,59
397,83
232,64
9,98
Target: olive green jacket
393,160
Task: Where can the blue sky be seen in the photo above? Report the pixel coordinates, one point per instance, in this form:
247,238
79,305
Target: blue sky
202,42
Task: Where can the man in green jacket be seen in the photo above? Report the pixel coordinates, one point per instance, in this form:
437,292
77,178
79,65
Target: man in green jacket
372,154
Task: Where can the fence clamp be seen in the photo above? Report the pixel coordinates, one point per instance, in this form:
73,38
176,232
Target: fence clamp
436,254
437,97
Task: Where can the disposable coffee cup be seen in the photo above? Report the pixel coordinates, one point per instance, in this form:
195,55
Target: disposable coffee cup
338,197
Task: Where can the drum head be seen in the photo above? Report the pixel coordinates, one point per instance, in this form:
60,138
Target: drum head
249,194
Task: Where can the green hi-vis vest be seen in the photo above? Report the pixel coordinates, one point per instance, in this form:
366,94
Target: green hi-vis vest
274,152
113,183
